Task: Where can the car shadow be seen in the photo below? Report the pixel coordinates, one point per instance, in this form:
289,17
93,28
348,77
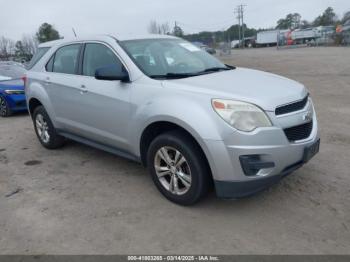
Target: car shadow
19,114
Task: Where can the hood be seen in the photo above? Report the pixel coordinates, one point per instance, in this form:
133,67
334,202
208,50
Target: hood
4,78
13,84
263,89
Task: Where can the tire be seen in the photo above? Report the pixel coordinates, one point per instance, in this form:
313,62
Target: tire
5,110
45,130
192,176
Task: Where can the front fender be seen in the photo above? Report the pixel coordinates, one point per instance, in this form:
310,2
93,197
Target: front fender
194,114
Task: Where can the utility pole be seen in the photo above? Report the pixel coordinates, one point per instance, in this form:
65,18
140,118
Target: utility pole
240,16
238,12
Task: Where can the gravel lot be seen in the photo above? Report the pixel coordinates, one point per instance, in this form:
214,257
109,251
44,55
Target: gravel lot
79,200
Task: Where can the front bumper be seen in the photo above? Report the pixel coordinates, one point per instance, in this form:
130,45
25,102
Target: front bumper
277,156
16,102
231,190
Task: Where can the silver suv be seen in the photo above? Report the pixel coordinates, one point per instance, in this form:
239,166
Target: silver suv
193,121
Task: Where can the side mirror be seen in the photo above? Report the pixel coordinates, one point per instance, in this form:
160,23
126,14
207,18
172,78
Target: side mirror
112,73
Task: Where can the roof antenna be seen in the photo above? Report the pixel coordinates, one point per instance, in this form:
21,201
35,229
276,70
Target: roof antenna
74,32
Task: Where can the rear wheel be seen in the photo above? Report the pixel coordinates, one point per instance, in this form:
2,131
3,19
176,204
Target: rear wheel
45,130
178,168
5,110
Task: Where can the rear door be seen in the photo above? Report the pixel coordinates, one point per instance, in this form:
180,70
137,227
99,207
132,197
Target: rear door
63,86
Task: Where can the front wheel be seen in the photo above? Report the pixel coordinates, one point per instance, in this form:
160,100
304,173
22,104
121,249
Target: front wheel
178,168
5,110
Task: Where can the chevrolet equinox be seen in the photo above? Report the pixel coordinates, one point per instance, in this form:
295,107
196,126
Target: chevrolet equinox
193,121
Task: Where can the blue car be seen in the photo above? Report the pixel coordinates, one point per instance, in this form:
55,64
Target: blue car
12,97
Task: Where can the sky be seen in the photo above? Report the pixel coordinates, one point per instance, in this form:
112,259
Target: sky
133,16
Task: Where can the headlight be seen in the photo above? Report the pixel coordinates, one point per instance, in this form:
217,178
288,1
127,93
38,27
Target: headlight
242,116
14,92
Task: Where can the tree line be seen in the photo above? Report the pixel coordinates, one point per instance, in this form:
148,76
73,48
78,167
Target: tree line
327,18
291,21
24,49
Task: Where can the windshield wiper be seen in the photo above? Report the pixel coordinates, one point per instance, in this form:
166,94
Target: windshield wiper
174,75
217,69
185,75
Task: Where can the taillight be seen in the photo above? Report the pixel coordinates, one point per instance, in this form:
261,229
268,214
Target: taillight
24,78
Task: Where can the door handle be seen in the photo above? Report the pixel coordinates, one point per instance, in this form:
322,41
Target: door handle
47,81
83,89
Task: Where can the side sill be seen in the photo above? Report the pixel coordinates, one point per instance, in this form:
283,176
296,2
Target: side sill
109,149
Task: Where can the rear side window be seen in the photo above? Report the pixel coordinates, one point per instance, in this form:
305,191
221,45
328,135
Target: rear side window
97,56
66,59
37,56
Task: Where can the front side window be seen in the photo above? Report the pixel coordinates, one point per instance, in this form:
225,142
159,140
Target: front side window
98,56
159,58
66,59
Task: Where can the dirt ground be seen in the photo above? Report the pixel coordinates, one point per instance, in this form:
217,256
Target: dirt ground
79,200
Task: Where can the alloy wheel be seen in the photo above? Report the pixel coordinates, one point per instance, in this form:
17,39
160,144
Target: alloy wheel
42,128
172,170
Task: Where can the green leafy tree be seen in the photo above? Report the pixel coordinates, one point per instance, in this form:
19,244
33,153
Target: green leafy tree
233,32
210,38
305,24
47,33
291,21
327,18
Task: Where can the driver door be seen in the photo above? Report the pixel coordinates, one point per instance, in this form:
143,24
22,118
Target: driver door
103,108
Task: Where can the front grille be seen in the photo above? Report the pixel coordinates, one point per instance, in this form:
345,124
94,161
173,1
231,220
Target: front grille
291,107
301,132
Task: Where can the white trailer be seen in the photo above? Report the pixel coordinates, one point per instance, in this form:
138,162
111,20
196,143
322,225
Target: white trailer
266,38
302,35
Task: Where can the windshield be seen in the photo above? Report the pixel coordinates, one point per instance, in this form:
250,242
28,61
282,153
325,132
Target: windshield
171,58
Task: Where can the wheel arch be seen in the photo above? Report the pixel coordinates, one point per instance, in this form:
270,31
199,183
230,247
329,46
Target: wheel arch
32,104
160,127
